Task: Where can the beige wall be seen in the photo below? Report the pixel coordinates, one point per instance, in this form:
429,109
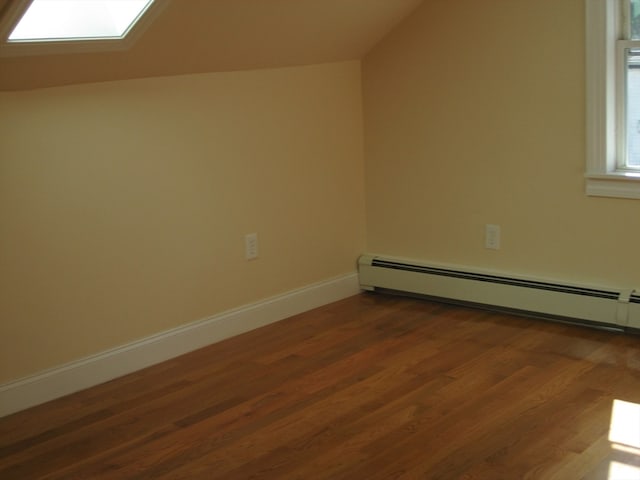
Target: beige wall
475,114
124,205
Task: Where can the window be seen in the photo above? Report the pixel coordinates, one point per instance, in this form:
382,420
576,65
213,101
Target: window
46,20
613,98
63,26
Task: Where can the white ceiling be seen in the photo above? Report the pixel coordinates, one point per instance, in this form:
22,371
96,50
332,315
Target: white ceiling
193,36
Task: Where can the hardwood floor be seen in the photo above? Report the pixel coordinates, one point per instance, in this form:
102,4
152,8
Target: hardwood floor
372,387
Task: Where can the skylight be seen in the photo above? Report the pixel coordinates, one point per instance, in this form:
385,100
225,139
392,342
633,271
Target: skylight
68,20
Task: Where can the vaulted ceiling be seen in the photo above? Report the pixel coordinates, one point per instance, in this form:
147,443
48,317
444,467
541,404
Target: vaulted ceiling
196,36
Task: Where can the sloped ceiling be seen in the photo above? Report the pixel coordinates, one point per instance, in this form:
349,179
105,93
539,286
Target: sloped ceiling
196,36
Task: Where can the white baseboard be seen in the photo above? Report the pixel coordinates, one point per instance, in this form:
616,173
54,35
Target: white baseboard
95,369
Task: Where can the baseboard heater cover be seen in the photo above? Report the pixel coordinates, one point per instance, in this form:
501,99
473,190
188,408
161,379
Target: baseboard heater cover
590,304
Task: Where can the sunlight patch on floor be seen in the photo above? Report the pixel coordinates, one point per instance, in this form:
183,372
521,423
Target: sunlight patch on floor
625,424
624,435
622,471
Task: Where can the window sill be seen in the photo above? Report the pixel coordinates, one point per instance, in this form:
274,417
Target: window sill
614,184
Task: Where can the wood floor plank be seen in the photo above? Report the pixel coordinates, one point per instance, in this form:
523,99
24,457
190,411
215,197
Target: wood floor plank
374,386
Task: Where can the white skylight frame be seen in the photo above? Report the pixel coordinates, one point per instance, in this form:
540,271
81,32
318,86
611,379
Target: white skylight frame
74,44
77,20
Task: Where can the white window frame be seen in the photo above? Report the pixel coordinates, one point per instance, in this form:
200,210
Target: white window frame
605,105
16,9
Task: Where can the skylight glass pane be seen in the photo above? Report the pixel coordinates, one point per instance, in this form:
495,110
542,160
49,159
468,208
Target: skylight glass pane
78,19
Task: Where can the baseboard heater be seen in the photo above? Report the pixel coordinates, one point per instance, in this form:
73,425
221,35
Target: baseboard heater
607,307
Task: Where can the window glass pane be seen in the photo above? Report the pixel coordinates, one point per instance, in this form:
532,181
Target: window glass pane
635,19
81,19
633,108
